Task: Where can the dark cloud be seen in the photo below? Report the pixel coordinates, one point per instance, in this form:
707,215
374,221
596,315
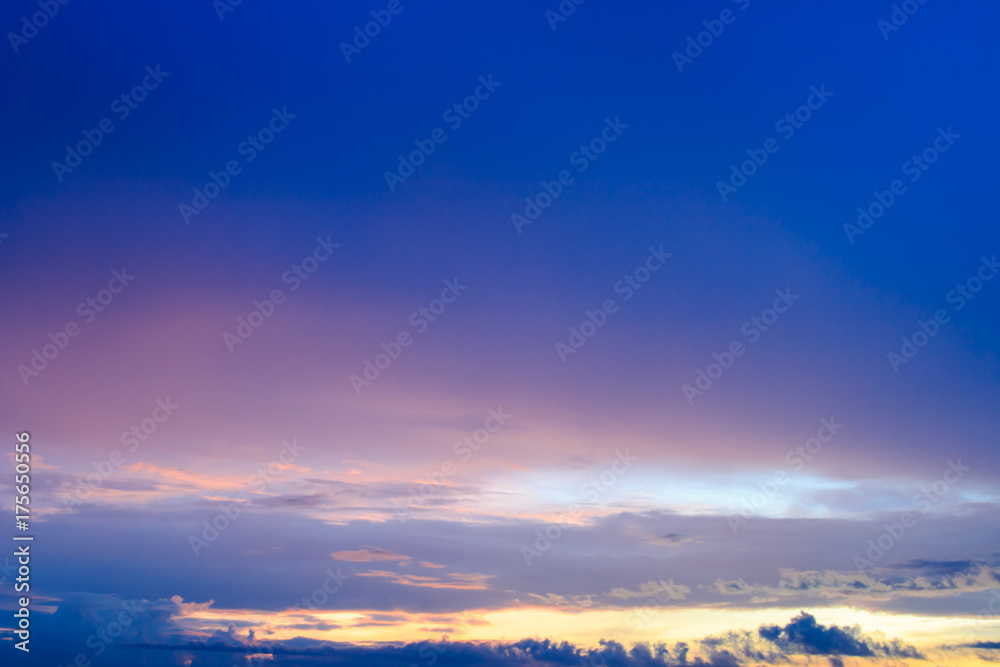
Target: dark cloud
144,552
527,652
937,567
293,501
154,638
804,635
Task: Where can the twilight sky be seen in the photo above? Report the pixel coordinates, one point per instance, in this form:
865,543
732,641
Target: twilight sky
503,334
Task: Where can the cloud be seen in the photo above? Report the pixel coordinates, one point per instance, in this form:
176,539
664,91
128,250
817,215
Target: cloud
828,584
190,607
551,599
149,563
472,581
369,554
804,635
936,567
218,650
158,638
661,590
653,536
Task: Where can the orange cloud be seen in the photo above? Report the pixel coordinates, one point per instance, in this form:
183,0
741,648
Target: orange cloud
473,581
368,554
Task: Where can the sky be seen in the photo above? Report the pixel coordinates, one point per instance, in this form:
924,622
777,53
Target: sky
409,333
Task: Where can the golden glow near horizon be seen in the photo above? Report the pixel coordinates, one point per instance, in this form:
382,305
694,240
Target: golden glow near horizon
583,627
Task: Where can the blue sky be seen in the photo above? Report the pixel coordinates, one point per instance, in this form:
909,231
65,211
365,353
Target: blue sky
740,508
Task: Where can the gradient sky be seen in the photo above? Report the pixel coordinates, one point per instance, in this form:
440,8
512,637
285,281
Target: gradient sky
705,528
